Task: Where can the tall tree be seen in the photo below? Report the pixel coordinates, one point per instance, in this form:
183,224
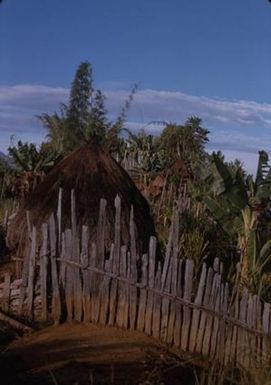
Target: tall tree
78,112
70,127
85,117
97,124
81,91
198,133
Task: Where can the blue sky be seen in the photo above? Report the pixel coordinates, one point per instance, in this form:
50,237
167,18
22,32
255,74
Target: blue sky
211,58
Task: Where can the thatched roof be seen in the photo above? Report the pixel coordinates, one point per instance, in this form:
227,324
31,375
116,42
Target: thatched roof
93,174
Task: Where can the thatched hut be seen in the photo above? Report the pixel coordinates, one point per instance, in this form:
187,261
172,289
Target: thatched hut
93,174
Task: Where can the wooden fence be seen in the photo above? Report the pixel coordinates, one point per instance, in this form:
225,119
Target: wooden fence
66,277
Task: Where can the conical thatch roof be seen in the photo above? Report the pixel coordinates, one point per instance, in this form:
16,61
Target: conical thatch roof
93,174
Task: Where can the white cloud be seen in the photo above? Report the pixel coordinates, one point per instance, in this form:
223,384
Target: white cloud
174,106
241,141
232,123
26,95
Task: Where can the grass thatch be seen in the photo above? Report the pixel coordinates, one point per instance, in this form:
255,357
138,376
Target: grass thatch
93,174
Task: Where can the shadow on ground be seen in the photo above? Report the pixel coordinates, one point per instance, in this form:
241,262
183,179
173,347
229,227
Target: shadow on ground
91,355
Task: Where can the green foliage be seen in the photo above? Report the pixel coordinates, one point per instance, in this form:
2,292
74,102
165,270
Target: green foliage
56,125
6,182
260,190
193,245
26,157
80,94
231,198
186,141
97,124
80,113
198,134
4,167
85,117
145,148
232,191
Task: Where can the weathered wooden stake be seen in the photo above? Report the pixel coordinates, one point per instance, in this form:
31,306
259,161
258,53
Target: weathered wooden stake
31,274
43,271
56,302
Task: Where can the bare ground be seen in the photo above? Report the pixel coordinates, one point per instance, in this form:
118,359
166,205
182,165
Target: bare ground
87,354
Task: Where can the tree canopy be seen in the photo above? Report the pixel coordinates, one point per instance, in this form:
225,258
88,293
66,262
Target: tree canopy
85,116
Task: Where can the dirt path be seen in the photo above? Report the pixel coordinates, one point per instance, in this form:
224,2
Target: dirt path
88,354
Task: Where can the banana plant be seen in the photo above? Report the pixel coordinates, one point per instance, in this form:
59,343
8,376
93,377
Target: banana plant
255,257
31,164
145,150
27,158
238,204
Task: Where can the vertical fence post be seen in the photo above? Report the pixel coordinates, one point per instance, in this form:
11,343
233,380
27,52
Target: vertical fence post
133,273
143,294
174,272
151,281
196,312
43,271
86,276
59,219
188,282
69,282
156,319
31,274
115,252
56,302
6,292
